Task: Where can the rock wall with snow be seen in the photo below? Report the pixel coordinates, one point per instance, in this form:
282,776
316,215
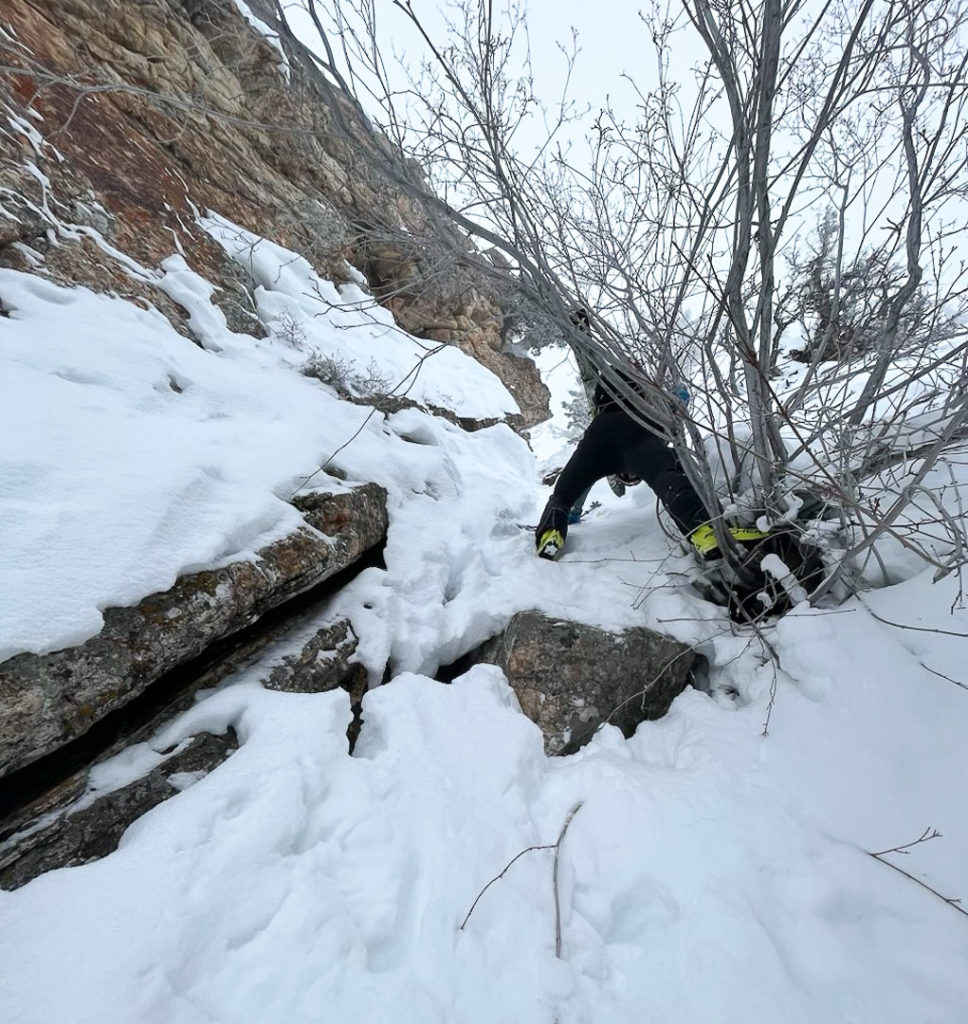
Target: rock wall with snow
146,151
123,121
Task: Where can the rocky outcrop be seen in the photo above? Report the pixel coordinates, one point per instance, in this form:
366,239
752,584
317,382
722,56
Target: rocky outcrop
49,699
130,118
69,825
570,678
324,662
95,829
390,404
520,378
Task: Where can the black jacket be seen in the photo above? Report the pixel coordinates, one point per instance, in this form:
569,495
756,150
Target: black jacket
604,402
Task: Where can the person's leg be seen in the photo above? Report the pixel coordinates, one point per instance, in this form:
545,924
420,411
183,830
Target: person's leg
645,455
594,458
649,457
577,509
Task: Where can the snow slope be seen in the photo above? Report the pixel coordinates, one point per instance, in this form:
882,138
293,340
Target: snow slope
713,872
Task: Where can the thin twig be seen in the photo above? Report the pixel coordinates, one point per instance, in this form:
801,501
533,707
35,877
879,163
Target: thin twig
556,846
941,675
561,836
927,834
902,625
497,878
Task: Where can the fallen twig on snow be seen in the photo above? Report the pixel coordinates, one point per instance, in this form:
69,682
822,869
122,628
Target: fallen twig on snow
941,675
556,846
904,848
561,836
916,629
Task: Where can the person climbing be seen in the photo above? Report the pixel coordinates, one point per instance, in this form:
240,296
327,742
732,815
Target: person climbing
615,444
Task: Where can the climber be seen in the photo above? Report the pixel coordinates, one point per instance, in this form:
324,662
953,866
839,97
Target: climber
615,444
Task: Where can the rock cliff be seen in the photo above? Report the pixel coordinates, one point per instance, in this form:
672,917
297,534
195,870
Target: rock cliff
123,123
151,112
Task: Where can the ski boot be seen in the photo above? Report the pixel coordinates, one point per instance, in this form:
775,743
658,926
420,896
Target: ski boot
550,544
706,546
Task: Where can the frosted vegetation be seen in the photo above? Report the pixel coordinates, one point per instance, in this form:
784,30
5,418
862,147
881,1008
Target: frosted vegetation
758,184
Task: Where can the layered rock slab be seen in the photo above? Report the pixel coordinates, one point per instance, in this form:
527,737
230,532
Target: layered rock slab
50,699
570,678
68,824
95,830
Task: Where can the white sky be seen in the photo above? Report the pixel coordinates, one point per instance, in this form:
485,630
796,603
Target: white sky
611,36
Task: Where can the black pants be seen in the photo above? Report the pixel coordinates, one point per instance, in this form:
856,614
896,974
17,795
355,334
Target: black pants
615,443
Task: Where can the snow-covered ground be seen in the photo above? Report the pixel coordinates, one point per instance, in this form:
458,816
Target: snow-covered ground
714,871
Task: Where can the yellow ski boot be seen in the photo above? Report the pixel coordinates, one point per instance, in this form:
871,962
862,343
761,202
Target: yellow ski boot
550,544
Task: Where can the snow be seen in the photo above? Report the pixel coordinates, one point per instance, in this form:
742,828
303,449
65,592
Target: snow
715,871
317,319
268,33
204,445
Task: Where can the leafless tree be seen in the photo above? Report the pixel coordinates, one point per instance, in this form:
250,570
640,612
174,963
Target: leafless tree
684,229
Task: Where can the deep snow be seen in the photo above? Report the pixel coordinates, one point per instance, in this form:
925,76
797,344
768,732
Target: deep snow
713,873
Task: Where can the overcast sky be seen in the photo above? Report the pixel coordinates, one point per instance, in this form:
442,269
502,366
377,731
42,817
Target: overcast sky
611,38
612,41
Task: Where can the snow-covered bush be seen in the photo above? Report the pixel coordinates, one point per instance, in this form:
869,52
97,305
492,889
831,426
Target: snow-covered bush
346,379
678,226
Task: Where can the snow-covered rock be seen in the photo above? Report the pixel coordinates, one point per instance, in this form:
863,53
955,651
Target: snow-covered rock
52,698
571,678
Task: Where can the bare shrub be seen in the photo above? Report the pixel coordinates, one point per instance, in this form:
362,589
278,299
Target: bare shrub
345,378
679,229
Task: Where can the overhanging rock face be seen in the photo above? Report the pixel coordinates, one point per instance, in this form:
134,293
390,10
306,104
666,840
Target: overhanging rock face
570,678
49,699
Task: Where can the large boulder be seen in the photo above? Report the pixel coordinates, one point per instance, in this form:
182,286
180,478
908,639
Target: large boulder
570,678
50,699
